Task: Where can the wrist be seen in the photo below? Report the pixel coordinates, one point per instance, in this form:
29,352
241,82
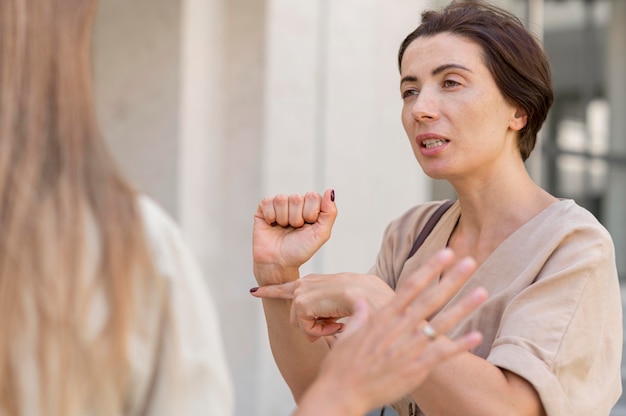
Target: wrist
326,398
273,274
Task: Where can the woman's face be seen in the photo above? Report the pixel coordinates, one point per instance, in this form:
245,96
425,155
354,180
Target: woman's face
457,120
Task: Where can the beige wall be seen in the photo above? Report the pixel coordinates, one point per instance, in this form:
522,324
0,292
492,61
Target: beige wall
137,71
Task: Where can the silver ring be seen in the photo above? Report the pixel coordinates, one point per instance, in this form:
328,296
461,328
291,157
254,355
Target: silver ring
429,331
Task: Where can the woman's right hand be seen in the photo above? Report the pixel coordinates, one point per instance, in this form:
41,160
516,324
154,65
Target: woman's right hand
287,231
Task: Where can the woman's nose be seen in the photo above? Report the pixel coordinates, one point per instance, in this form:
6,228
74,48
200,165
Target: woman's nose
425,106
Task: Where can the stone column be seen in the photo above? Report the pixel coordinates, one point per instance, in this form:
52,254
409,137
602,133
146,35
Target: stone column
136,75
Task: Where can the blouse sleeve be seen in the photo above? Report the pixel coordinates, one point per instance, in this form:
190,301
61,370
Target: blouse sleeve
563,333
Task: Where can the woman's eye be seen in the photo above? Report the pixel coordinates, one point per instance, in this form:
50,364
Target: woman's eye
450,83
408,93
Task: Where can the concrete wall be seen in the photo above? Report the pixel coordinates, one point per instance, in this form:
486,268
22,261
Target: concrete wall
137,49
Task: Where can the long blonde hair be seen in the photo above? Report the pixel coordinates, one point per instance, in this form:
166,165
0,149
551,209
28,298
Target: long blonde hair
59,190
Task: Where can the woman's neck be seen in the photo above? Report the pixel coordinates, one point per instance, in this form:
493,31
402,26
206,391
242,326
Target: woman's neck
492,209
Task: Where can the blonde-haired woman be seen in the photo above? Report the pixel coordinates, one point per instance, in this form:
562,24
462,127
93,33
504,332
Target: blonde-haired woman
103,310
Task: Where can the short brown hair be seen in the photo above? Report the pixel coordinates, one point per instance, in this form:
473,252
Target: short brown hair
513,56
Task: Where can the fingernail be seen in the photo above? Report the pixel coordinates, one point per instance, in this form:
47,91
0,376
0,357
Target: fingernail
254,289
332,195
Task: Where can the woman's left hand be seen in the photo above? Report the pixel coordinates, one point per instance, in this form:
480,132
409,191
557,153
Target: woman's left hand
319,301
385,355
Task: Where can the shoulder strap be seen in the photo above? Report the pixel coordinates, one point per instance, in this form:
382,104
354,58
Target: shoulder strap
432,221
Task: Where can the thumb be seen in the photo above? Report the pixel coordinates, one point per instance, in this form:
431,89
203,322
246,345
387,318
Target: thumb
328,208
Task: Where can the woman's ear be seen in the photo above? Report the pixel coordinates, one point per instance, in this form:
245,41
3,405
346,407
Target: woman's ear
519,120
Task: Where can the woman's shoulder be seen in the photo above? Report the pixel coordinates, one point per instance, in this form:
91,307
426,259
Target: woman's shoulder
569,227
401,233
566,216
154,216
164,237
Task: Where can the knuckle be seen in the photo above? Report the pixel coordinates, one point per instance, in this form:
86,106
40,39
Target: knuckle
296,198
280,198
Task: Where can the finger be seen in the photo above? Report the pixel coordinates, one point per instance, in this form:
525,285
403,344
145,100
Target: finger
468,341
455,277
322,328
312,207
460,273
296,206
413,301
280,291
266,211
281,209
461,309
443,349
413,286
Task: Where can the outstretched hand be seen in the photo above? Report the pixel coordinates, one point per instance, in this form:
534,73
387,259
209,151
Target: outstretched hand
383,356
288,230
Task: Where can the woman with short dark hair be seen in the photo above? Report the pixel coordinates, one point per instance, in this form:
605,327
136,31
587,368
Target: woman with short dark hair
476,89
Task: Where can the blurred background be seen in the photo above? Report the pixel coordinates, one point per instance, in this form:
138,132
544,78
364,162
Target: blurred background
209,105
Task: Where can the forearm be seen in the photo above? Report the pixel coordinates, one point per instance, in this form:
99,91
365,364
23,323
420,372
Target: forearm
326,398
288,230
297,358
469,385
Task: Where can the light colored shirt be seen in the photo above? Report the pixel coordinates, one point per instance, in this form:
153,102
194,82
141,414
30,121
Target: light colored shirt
182,370
554,312
176,356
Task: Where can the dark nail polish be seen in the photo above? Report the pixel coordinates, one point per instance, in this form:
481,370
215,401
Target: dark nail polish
254,289
332,195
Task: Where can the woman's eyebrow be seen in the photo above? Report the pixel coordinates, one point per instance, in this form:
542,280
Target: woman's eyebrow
408,78
436,71
443,67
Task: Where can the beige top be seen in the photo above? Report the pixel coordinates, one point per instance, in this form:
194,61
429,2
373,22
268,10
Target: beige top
178,365
554,313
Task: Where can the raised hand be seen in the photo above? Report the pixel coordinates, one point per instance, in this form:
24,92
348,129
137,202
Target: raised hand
288,230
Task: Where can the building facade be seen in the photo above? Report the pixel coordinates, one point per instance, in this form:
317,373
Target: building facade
209,105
